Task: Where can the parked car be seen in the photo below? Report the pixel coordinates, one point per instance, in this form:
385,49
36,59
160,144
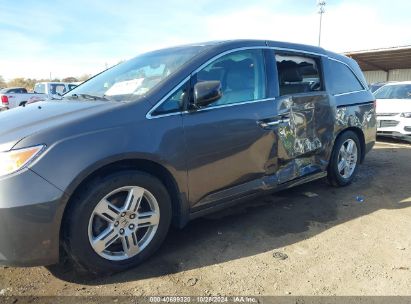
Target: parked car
169,136
73,85
375,86
394,110
50,90
11,97
14,97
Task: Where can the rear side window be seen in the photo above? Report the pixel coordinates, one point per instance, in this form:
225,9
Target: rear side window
342,79
40,88
298,74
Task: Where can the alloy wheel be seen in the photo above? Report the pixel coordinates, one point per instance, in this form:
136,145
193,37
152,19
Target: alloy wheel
123,223
347,158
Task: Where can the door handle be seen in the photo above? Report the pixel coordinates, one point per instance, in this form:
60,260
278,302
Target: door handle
273,123
267,124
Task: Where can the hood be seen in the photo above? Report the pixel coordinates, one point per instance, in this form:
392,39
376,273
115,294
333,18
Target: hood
21,122
393,105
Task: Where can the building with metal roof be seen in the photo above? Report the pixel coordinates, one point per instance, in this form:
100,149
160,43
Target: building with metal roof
387,64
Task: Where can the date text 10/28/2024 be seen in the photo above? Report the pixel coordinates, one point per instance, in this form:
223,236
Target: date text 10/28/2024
203,299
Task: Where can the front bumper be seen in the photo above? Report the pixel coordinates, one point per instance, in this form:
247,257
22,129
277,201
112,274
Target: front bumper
394,126
31,210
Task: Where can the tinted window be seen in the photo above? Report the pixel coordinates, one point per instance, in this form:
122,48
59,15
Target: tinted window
342,79
174,103
298,74
241,74
40,88
398,91
374,87
15,90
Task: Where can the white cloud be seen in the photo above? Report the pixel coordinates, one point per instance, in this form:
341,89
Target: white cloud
32,49
356,26
349,26
259,23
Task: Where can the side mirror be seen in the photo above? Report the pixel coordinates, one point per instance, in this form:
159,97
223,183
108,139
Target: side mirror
206,92
56,96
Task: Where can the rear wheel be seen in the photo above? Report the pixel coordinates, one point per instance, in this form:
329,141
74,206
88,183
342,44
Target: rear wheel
118,221
345,159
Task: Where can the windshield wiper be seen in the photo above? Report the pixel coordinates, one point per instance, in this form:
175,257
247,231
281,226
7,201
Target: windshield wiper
88,96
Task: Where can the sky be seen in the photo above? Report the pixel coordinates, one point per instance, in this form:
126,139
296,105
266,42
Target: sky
77,37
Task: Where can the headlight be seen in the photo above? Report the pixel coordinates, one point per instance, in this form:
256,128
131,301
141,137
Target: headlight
15,160
406,115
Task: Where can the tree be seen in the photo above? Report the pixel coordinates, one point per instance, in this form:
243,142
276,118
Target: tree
2,82
69,79
18,82
29,83
84,77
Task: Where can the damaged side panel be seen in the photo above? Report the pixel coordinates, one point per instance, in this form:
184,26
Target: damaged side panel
362,118
304,142
276,142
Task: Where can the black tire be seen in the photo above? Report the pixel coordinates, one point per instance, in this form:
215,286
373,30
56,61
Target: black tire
335,178
77,243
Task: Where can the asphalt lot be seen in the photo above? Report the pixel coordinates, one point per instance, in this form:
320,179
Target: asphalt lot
287,243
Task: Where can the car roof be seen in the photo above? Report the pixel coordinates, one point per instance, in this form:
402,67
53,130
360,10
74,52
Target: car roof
398,82
238,43
272,43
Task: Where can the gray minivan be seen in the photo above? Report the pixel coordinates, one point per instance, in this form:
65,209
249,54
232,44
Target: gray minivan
169,136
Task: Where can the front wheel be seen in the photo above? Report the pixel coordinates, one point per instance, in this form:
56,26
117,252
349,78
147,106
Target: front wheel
345,159
118,221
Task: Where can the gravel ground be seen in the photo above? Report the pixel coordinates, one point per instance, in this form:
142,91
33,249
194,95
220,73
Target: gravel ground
324,242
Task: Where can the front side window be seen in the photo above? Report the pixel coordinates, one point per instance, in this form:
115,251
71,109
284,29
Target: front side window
298,74
396,91
174,103
134,78
71,86
342,79
241,74
57,89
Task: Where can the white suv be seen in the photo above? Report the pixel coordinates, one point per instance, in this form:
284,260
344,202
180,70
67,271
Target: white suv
394,110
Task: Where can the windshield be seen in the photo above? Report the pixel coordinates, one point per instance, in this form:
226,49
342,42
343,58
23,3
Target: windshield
136,77
397,91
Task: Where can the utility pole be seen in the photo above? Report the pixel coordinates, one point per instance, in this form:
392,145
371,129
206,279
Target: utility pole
321,11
